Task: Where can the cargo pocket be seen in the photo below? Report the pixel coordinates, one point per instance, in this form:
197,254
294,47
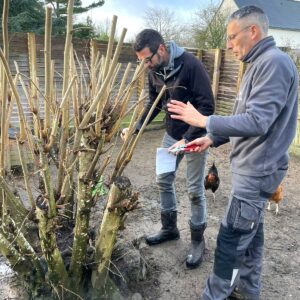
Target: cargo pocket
242,217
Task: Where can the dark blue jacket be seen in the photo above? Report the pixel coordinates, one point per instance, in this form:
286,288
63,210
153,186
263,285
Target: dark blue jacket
188,81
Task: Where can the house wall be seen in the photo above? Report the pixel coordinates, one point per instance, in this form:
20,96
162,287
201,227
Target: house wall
286,38
228,6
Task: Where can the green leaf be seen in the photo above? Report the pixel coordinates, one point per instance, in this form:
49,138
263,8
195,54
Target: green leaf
99,188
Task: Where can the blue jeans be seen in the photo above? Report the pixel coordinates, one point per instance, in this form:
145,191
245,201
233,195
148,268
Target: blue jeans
195,184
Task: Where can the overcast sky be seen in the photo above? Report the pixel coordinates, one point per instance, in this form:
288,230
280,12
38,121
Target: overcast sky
130,12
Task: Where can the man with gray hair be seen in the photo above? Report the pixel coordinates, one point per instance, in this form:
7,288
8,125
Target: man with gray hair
260,132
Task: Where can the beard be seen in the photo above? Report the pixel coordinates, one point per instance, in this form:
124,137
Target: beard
159,65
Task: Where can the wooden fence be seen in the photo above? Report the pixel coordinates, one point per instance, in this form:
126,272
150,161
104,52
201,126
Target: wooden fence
20,46
224,70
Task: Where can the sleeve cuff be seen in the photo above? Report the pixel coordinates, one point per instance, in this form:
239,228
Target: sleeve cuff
208,125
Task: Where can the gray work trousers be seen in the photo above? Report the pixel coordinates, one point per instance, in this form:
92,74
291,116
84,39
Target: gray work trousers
239,251
195,183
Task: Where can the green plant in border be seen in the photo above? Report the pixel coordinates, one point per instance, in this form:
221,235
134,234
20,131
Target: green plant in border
99,188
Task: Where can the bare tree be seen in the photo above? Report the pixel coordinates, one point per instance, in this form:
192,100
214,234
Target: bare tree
102,30
209,27
49,242
165,21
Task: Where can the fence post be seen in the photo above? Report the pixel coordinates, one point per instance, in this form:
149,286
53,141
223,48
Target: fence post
242,69
296,142
216,74
93,52
93,65
140,85
199,54
34,80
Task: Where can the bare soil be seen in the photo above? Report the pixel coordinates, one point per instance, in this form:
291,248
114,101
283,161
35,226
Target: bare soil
163,274
159,272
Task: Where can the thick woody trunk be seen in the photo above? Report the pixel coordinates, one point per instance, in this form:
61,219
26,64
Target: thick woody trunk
21,255
12,203
121,199
84,204
56,269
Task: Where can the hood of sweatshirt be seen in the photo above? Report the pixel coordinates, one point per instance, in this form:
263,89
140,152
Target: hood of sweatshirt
174,52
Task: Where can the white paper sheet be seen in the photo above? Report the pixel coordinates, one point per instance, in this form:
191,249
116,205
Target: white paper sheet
165,161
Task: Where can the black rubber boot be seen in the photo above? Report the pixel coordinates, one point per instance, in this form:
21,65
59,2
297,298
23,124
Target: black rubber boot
236,295
195,256
168,232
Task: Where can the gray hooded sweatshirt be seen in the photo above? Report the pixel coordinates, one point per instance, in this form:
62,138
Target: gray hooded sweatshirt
264,120
174,52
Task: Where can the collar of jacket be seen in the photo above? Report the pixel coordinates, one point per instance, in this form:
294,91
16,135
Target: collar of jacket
259,48
166,75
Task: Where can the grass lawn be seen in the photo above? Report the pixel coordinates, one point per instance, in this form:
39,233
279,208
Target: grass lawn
159,119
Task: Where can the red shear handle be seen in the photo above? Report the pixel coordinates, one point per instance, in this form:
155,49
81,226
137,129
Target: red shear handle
189,148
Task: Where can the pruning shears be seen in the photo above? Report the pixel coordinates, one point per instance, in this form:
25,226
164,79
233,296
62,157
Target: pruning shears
183,148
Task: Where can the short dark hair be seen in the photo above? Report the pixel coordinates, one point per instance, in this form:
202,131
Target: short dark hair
148,38
254,14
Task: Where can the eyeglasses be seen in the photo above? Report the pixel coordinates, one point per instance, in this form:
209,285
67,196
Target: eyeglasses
147,59
231,37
